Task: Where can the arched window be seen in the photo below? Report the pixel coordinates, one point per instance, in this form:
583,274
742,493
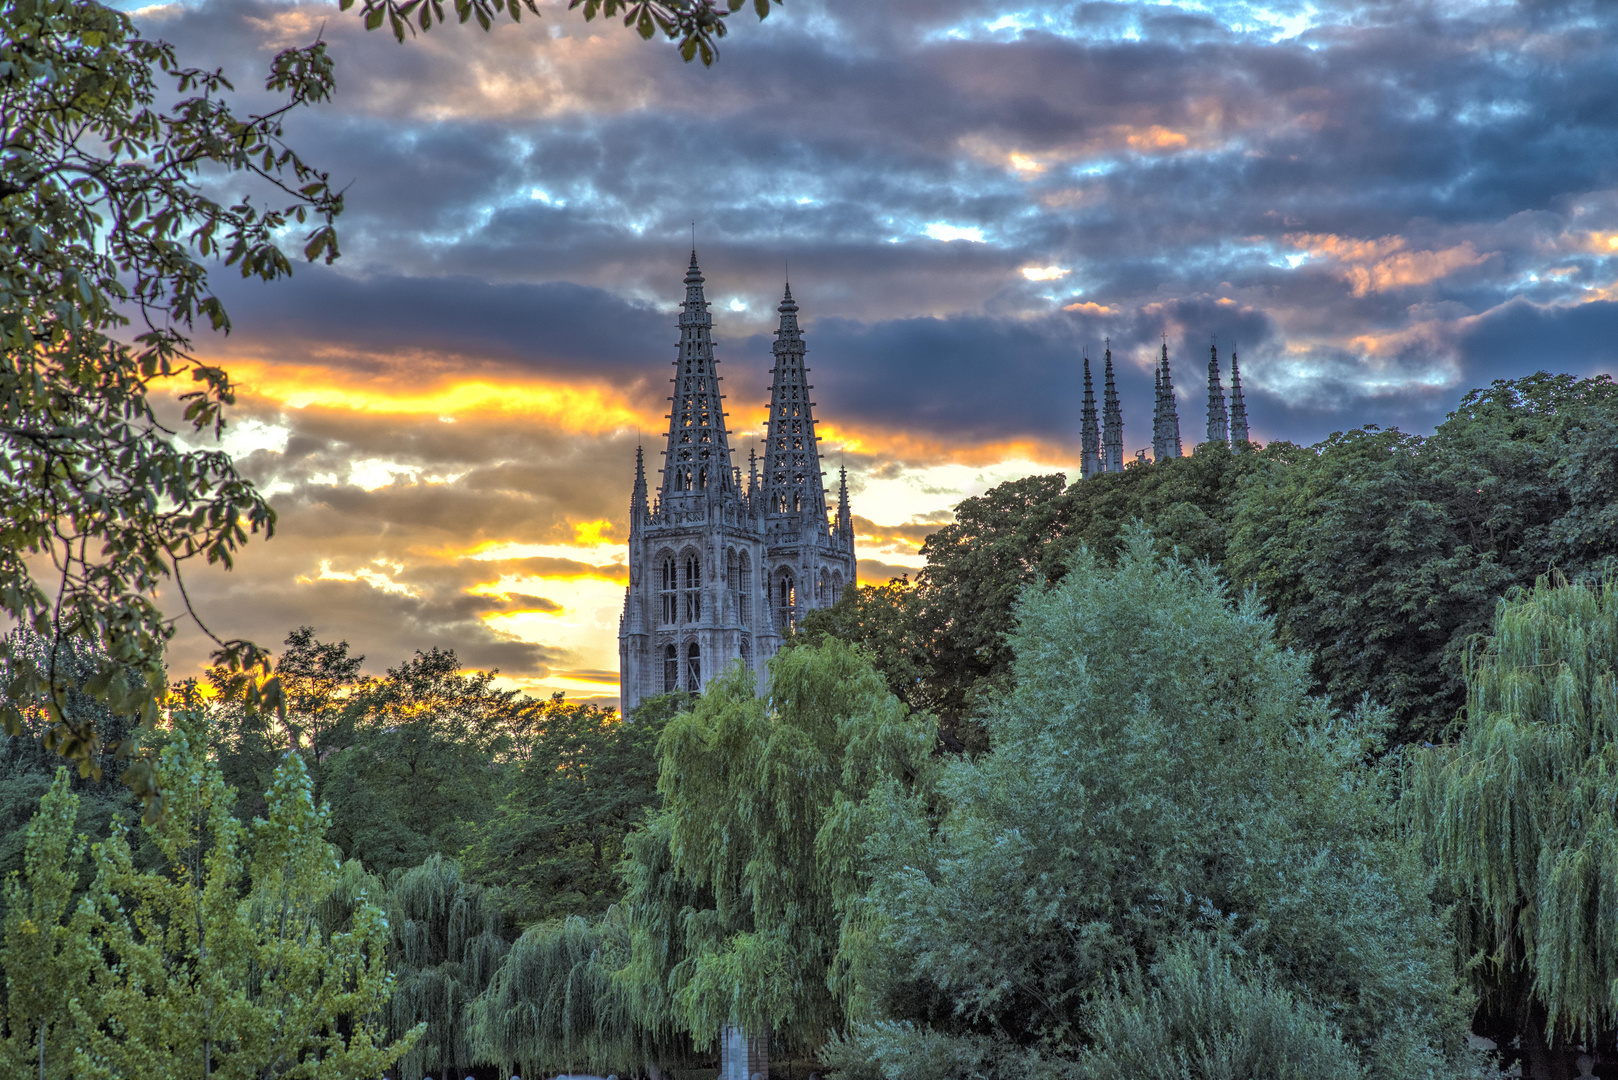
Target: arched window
744,590
823,593
668,590
746,652
786,597
836,586
693,667
671,669
693,587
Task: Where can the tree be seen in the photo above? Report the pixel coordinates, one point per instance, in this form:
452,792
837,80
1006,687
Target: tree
105,220
1519,817
740,887
1383,553
103,278
695,24
585,780
556,1003
423,765
218,963
1158,775
448,940
45,953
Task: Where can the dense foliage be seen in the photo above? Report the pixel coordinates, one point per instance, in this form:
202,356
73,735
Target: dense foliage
1158,776
1113,789
1381,554
1520,817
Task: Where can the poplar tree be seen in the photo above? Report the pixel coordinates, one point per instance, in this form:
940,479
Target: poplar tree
218,964
45,952
1520,816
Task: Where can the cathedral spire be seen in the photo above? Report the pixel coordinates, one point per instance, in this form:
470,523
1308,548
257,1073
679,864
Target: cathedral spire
792,481
1089,433
1238,409
1112,427
1218,422
1166,415
697,461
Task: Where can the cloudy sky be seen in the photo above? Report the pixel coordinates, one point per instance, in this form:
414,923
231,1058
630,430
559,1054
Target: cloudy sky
1381,204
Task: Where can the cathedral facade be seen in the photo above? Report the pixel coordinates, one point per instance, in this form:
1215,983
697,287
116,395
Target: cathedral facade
720,569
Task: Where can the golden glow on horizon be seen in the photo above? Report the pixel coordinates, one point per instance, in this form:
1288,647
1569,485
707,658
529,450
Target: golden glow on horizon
577,407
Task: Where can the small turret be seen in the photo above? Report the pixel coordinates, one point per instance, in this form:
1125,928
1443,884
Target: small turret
638,510
1218,422
1238,409
1166,415
1112,427
845,515
1089,433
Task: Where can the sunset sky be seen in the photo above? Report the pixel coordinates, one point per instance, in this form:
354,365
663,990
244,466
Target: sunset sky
1381,204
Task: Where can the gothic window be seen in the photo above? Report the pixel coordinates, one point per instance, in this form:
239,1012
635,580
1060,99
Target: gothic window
786,601
702,477
744,591
824,591
746,652
667,591
693,588
836,587
671,669
693,668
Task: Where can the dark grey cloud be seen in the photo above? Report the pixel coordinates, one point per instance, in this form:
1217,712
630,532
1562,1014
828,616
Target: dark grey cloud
1164,158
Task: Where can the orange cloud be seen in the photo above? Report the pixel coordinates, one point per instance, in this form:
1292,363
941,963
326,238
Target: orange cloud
576,407
1088,308
1375,266
1156,137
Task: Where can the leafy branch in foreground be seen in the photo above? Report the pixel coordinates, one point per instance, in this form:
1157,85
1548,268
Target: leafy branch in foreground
696,24
107,227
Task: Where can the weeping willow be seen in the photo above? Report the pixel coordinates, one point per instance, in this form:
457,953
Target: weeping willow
555,1004
447,943
1521,814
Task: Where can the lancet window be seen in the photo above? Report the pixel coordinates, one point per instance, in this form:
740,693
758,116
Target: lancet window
693,588
786,601
744,590
671,669
668,591
693,662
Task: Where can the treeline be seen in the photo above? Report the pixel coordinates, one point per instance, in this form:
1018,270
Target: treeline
1380,554
442,813
1130,782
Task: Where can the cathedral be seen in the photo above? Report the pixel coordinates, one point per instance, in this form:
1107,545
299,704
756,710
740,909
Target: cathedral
719,570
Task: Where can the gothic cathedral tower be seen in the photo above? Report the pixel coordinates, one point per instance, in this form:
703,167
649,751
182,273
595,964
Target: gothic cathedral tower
716,572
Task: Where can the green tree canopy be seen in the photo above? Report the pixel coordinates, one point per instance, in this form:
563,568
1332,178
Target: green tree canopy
583,780
447,941
1520,817
1158,773
740,887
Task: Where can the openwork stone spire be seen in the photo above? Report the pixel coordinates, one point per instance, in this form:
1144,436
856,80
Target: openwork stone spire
1238,410
1166,416
637,499
1089,432
1112,422
792,482
1218,423
697,461
845,513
